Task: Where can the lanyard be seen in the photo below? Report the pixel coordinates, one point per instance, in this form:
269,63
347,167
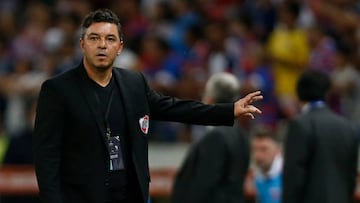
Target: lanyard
106,115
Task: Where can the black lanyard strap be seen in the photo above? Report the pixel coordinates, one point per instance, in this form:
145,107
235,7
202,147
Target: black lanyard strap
106,115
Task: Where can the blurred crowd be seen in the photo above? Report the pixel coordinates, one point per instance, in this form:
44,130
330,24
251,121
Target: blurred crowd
179,44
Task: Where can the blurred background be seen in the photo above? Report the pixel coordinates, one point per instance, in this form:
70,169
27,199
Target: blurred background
178,45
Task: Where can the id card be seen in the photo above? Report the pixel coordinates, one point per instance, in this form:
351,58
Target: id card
116,158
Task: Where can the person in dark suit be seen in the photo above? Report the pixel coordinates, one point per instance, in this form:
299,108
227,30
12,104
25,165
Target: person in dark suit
321,149
93,121
216,165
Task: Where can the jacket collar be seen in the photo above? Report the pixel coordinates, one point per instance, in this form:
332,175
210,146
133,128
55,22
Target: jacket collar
320,104
126,90
275,169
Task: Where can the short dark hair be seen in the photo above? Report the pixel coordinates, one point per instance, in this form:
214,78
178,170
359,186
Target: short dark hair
101,15
313,85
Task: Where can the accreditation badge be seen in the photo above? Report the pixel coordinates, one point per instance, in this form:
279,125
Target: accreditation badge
116,158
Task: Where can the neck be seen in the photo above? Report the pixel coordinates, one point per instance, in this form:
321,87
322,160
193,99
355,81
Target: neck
101,76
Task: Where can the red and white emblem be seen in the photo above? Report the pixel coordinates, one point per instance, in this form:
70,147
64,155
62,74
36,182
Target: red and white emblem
144,124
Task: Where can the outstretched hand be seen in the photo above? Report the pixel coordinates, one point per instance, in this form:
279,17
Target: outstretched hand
244,107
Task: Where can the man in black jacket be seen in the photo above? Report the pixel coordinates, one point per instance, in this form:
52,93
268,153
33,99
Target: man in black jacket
320,150
93,122
215,167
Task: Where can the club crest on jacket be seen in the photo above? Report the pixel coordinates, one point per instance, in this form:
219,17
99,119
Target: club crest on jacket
144,124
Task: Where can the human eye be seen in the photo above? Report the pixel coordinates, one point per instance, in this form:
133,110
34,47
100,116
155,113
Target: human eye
93,37
111,39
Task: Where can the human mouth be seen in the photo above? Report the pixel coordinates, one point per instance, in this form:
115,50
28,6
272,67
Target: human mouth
101,55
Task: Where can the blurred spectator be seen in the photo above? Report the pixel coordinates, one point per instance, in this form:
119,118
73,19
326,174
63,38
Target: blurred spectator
29,44
346,83
268,160
215,167
263,15
160,64
5,59
260,77
64,28
68,7
7,25
340,17
321,149
322,50
288,50
19,152
241,46
161,19
66,56
127,59
20,146
4,141
306,17
185,17
135,25
197,47
22,83
217,9
220,58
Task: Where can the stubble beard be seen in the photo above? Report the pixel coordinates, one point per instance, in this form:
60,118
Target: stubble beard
101,67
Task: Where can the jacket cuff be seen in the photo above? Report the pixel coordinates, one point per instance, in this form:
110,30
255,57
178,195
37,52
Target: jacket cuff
227,113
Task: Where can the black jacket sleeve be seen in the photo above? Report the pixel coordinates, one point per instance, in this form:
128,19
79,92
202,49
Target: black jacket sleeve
188,111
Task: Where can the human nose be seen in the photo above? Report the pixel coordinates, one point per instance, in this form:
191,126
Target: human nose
102,44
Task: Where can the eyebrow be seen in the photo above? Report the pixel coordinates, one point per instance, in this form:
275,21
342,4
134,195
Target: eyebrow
109,35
